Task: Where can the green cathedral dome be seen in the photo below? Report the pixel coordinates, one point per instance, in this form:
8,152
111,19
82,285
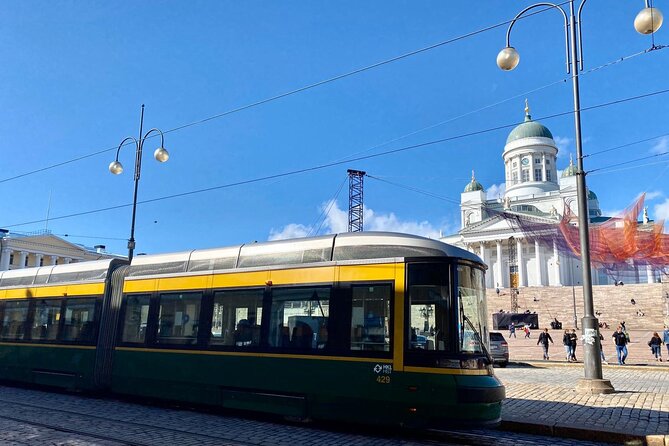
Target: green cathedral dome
529,129
473,185
571,170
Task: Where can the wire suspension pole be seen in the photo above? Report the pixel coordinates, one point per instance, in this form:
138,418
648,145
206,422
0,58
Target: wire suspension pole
355,200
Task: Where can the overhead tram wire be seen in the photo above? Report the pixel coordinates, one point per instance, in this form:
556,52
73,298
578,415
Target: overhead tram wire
415,189
624,163
326,211
338,163
495,104
292,92
599,152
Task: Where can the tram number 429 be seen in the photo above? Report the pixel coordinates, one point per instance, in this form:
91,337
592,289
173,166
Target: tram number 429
383,379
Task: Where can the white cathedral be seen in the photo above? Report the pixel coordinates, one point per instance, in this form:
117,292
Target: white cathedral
534,193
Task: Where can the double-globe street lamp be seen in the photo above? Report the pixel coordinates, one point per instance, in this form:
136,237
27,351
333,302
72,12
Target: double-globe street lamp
647,21
161,155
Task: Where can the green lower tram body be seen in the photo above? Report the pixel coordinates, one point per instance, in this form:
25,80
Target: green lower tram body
313,388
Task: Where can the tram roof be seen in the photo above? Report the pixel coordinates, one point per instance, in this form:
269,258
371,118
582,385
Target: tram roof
95,270
349,246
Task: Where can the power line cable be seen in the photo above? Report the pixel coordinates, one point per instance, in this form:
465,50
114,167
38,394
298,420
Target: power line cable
337,163
326,211
625,145
624,163
295,91
415,189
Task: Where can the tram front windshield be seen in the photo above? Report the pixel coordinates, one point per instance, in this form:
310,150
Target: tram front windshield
472,328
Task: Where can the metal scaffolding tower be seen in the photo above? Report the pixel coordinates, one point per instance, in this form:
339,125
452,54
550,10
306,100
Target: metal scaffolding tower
355,197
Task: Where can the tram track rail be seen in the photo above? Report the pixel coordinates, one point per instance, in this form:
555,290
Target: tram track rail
159,434
33,415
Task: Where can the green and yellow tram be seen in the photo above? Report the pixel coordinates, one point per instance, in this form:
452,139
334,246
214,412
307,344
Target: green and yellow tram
363,327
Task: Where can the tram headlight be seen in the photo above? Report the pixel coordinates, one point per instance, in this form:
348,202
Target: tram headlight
474,364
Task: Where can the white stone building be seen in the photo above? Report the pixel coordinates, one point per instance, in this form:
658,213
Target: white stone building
536,194
26,251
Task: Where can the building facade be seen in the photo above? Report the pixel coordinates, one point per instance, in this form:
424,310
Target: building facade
44,249
535,194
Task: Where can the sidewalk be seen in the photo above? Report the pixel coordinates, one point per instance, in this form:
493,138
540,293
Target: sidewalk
541,399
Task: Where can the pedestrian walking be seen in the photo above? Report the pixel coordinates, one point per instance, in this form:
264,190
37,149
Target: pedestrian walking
573,341
601,349
512,329
665,338
621,344
544,338
526,329
567,346
655,345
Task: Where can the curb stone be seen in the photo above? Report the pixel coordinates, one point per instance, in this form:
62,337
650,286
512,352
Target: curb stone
577,433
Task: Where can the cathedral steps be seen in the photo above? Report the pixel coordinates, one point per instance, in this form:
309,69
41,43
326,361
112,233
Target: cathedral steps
613,303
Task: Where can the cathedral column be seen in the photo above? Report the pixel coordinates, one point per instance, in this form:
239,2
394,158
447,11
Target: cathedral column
521,262
22,259
4,259
538,260
38,259
67,260
556,264
649,274
519,170
543,167
53,260
482,255
498,272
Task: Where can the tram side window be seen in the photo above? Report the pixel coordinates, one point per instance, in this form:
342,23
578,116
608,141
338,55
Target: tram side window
47,318
299,318
370,318
80,321
429,321
236,318
179,318
135,318
15,319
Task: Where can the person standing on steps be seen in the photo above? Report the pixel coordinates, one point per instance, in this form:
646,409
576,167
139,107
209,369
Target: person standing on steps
544,338
567,346
655,345
621,344
665,338
573,341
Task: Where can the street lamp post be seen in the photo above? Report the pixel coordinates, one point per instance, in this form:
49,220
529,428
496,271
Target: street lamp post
647,21
161,155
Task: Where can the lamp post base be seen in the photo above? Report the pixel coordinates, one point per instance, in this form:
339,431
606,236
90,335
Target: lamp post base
594,386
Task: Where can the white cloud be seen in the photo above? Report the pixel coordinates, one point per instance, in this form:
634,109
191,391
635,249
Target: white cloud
653,195
610,213
336,221
292,230
563,143
662,146
495,191
662,210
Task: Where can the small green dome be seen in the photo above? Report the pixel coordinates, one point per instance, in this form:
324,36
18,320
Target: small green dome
571,170
529,129
473,185
592,195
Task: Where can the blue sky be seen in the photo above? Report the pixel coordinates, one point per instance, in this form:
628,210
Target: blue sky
76,73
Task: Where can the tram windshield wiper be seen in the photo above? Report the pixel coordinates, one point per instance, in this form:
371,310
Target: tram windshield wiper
476,333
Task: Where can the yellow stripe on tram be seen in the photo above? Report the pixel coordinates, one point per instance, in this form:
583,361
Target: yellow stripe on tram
25,344
88,289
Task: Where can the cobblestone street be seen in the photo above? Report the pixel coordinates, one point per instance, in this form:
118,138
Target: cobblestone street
545,394
32,417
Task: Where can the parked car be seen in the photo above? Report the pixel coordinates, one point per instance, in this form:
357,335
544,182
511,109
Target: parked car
499,349
419,342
